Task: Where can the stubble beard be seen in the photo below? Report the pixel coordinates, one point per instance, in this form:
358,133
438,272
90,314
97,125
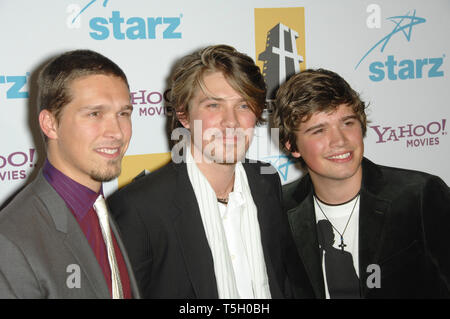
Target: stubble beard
107,173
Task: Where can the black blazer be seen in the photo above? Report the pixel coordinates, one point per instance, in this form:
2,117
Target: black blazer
160,222
404,227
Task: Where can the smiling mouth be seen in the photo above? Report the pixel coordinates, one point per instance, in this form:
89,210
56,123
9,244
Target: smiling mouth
109,152
343,156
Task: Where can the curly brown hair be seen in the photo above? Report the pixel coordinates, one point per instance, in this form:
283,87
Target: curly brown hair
308,92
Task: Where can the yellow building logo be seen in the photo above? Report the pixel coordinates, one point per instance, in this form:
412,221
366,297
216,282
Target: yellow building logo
280,44
137,165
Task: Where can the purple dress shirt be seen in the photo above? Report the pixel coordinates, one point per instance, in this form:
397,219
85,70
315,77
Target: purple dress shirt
80,200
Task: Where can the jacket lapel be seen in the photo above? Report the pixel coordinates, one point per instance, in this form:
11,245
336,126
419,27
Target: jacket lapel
303,225
73,237
76,242
192,238
262,197
372,212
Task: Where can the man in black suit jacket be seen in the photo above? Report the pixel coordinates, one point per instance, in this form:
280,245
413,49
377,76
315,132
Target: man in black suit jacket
395,222
207,225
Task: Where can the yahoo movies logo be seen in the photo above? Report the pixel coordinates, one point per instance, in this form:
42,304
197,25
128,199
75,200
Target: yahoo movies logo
15,86
394,68
415,135
123,28
12,166
151,103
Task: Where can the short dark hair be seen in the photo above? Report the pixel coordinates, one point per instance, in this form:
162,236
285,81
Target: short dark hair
308,92
239,70
55,78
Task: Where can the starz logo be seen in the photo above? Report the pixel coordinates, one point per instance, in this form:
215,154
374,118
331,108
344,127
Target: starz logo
410,68
105,3
404,24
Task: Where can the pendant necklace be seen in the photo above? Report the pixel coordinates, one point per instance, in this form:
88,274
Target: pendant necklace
342,244
224,200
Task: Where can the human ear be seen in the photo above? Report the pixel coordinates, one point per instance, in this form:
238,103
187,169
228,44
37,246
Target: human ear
183,118
295,154
48,124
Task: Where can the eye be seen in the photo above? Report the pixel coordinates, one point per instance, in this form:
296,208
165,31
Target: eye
125,113
213,105
94,114
318,131
349,123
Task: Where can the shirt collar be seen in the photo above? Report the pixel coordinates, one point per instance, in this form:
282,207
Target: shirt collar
77,197
237,194
236,197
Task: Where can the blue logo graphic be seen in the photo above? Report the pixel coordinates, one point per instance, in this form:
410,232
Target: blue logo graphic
136,27
133,28
281,163
17,83
404,69
105,2
408,69
413,20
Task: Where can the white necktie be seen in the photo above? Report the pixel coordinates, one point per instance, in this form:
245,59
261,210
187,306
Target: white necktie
102,213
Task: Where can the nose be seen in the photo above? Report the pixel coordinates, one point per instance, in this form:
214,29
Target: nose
229,119
337,137
113,128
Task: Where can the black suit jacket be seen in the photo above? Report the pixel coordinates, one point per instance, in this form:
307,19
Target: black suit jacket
160,221
404,227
